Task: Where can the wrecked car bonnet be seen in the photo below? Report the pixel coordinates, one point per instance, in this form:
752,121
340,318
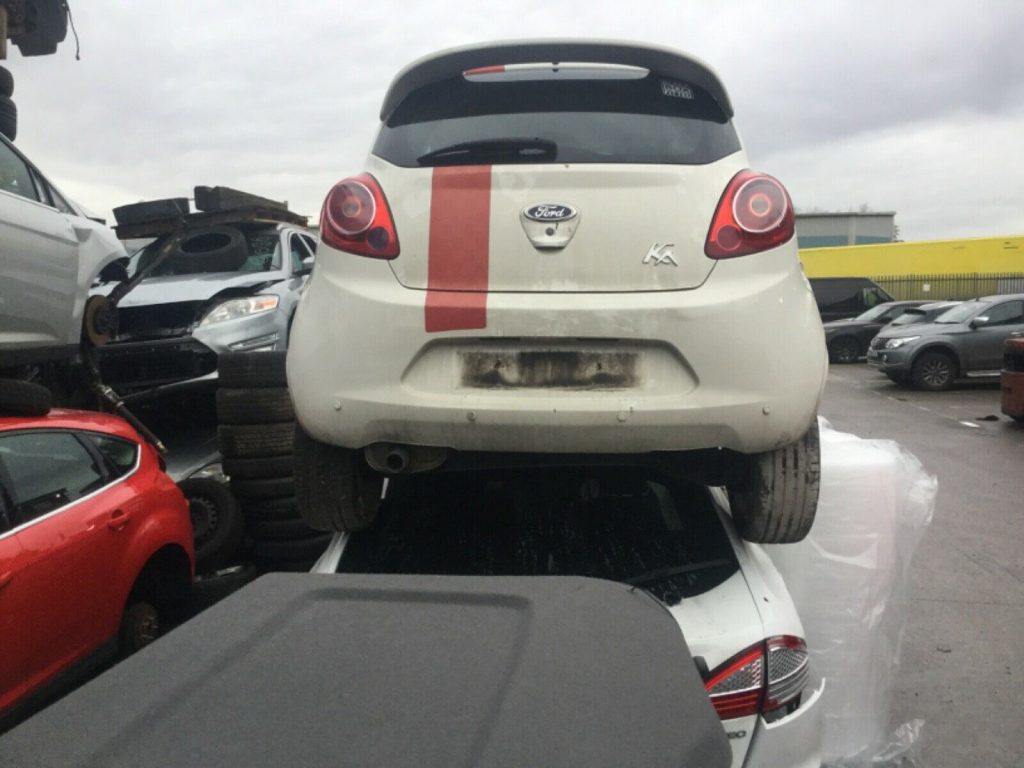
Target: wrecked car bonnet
167,290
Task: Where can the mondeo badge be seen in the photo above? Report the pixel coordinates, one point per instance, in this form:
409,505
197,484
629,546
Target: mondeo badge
549,226
552,212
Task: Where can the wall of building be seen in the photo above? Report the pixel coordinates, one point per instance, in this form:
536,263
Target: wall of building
988,255
817,230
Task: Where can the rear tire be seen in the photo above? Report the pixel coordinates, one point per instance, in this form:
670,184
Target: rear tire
844,349
334,487
774,495
141,624
934,371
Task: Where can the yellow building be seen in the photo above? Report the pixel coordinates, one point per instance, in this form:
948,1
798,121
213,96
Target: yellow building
973,256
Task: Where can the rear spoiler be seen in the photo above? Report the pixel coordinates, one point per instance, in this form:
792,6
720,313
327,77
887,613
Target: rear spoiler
455,61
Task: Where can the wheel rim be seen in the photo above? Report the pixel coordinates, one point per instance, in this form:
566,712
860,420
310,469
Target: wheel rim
203,513
845,350
936,372
144,626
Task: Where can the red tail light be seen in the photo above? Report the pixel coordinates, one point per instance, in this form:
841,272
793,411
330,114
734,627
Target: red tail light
754,214
760,680
356,218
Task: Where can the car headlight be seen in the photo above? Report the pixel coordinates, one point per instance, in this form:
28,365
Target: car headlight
897,343
233,309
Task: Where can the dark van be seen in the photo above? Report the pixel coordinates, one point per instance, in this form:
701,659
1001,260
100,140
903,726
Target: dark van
840,297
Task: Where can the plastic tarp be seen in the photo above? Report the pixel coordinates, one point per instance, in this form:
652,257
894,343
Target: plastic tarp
849,581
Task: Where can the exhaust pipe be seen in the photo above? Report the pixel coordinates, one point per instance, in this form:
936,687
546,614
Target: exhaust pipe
397,459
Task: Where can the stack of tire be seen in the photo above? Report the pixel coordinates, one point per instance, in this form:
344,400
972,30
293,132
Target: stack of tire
256,426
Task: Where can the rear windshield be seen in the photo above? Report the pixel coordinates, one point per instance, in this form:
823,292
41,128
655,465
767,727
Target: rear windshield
624,525
645,119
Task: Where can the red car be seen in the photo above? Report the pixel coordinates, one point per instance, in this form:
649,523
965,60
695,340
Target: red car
96,550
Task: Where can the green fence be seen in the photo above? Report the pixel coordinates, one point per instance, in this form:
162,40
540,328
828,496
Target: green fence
941,287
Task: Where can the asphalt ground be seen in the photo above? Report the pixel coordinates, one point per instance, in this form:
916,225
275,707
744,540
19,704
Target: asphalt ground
961,668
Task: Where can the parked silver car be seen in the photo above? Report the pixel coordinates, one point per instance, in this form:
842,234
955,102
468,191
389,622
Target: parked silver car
965,341
50,253
232,285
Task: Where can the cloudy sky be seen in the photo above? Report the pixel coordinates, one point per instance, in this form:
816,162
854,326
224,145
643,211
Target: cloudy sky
916,107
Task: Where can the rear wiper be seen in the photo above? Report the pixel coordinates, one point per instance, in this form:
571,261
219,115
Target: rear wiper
660,574
522,150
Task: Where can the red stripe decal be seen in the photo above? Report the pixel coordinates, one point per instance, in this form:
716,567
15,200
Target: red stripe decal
457,262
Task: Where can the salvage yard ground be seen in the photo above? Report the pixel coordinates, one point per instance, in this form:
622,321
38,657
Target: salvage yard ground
960,669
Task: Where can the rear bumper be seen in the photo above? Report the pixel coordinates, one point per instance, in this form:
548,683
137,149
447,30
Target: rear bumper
1012,385
738,363
793,741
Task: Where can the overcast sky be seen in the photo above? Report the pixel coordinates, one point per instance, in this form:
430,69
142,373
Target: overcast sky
916,107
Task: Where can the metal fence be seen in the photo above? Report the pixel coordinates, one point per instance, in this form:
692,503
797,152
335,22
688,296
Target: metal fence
941,287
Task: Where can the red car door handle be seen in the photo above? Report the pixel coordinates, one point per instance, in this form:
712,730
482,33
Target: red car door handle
5,578
118,520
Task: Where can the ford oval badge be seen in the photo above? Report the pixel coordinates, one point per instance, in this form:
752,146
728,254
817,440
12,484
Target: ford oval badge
550,212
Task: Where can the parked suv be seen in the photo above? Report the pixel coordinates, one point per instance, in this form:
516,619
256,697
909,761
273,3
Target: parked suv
50,253
965,341
556,248
95,549
848,339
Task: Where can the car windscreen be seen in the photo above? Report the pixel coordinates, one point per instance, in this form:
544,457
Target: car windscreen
871,314
575,118
961,313
621,524
217,250
909,317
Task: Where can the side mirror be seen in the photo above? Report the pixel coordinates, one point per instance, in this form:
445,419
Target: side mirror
307,266
979,322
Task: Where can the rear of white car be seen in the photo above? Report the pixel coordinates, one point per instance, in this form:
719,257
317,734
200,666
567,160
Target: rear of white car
558,258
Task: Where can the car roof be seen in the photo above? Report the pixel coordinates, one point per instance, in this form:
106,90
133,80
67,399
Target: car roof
60,418
455,61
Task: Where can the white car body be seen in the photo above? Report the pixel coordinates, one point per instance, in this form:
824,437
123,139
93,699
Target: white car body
610,332
50,254
752,604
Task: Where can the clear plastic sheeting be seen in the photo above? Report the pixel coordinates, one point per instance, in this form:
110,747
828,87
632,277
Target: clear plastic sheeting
849,580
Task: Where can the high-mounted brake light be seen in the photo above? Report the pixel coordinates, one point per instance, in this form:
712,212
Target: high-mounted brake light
760,680
356,218
754,214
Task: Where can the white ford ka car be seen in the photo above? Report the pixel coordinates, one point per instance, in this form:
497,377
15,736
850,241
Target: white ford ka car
557,248
635,526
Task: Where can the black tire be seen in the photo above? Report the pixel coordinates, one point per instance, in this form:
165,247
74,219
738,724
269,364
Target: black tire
8,118
217,522
268,488
286,550
774,495
6,83
255,441
334,487
253,469
268,405
214,249
843,349
934,371
284,508
277,530
243,370
24,398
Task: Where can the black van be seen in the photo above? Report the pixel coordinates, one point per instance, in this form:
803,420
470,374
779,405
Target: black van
840,297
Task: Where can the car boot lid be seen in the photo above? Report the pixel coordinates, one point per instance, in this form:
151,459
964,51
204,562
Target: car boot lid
398,671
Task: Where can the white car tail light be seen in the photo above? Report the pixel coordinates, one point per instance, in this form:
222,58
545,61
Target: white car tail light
754,214
356,218
760,680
